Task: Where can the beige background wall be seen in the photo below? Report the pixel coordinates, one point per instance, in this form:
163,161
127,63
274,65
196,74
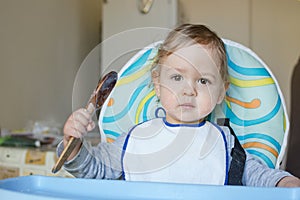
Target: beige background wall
43,43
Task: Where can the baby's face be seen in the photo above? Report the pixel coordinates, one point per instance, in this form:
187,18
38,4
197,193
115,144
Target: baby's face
189,85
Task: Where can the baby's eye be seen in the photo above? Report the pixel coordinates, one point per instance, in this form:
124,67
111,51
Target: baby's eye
203,81
177,77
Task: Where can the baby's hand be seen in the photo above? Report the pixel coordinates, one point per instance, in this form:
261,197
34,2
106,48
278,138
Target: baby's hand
79,123
289,181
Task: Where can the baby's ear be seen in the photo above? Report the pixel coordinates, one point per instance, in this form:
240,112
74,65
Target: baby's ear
155,80
223,92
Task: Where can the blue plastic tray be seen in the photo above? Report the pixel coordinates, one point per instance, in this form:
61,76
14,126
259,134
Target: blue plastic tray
42,187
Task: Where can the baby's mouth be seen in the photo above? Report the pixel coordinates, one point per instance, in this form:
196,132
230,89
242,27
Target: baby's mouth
187,106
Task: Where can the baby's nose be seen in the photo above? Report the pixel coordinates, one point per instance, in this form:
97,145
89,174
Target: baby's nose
190,89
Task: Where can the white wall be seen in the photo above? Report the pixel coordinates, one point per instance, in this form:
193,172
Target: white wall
125,30
43,43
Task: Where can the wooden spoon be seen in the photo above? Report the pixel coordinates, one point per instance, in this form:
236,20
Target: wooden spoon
100,94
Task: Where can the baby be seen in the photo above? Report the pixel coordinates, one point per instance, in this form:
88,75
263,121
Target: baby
190,78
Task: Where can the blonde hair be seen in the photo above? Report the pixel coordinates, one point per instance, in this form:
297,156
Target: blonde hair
189,34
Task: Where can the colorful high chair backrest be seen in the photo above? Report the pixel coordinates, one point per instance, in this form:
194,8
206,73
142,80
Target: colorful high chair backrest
254,103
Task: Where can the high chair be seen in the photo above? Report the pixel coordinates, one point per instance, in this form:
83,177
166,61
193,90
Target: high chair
253,103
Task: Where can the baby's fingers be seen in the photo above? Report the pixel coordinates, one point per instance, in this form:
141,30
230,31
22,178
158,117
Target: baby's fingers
79,121
83,116
74,129
91,126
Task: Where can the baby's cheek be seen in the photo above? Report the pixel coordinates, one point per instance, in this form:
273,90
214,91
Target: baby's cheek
206,106
168,103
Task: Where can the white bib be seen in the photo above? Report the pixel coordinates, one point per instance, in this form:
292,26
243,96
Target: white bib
158,151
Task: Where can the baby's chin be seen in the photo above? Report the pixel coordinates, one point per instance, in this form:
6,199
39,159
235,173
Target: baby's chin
192,121
186,117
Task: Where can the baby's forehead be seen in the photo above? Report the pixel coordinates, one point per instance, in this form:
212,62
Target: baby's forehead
194,55
192,48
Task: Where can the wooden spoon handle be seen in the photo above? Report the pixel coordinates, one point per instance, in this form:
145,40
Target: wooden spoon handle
65,154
